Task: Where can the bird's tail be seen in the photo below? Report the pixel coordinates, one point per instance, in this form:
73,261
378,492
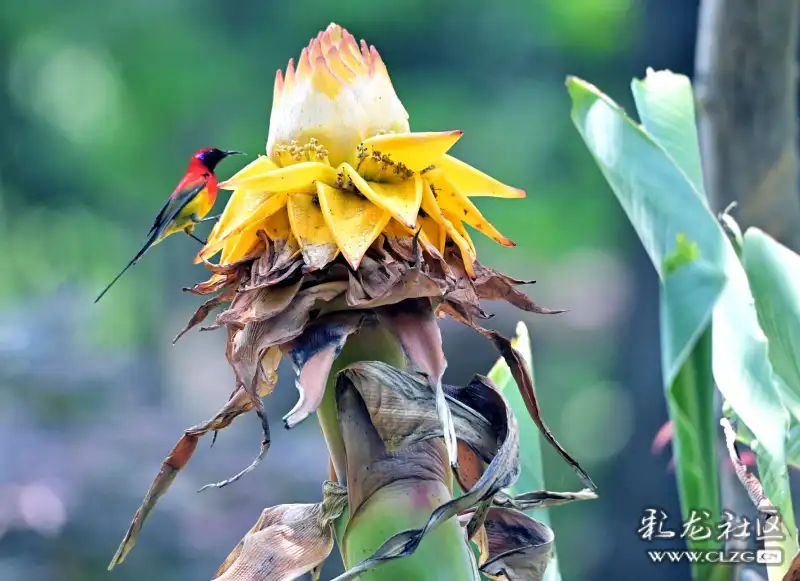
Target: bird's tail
150,241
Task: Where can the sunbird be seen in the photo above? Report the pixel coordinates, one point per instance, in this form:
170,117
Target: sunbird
188,205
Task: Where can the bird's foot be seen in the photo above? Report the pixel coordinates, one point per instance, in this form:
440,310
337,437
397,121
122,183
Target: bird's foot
208,219
200,240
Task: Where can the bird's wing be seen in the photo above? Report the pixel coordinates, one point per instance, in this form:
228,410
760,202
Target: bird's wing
160,216
177,202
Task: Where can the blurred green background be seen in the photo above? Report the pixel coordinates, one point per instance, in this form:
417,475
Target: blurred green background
101,106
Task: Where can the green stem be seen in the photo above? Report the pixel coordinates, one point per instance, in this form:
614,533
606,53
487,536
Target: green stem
372,343
404,502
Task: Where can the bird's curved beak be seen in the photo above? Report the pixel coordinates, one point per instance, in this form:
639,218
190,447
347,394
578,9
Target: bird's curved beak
233,152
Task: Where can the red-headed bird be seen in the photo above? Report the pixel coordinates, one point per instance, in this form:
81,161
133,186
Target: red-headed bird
188,205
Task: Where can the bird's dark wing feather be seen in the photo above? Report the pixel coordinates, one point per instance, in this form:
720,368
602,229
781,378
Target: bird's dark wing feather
169,211
175,204
160,215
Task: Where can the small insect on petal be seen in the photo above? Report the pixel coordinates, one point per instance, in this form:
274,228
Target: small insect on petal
401,199
415,150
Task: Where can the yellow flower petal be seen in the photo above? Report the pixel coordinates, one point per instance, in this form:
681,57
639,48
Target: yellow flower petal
471,182
241,203
309,227
458,225
354,221
295,178
467,251
401,199
277,226
434,232
451,200
261,165
431,207
268,205
414,150
396,229
237,247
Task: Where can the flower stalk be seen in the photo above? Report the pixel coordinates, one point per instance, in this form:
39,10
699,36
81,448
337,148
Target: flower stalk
339,250
391,492
373,343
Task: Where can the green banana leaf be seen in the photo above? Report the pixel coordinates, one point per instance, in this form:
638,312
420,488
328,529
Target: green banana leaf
707,320
532,474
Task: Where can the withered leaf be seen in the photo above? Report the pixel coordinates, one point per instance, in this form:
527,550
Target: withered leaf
287,541
793,574
281,259
541,499
403,411
415,325
520,547
265,382
312,355
203,311
252,342
236,405
371,465
259,304
176,460
522,376
766,510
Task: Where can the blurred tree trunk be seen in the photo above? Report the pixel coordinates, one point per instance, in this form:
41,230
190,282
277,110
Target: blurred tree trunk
745,79
745,84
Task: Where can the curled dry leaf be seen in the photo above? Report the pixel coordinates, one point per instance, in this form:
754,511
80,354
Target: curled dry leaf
237,404
414,323
205,309
522,376
766,510
541,499
176,460
519,547
312,355
402,410
401,414
512,546
287,541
